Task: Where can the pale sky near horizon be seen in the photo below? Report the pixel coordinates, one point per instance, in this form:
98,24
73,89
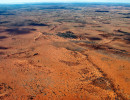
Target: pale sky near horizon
31,1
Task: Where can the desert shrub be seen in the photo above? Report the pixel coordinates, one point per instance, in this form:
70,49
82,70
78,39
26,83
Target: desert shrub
67,34
126,33
101,11
37,24
1,47
3,37
16,31
94,38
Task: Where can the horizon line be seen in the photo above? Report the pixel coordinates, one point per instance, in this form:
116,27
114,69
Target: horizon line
61,2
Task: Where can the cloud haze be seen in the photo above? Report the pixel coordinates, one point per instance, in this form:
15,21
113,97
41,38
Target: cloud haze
24,1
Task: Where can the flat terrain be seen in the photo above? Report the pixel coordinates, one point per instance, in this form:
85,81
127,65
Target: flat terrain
65,51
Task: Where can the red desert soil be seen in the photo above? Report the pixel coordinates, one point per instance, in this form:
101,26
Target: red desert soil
65,60
38,66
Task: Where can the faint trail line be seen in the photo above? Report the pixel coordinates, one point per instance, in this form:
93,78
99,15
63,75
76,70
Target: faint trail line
110,41
37,36
120,96
55,26
18,53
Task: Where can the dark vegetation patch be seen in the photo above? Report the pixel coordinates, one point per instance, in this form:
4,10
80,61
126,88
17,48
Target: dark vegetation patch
101,31
38,24
125,33
85,71
82,37
4,90
35,54
127,39
2,22
2,53
4,85
105,35
94,38
102,83
117,38
97,26
117,35
101,11
1,47
44,33
21,54
86,34
127,17
29,23
3,37
80,26
104,47
1,31
124,13
31,97
17,31
106,22
67,34
70,63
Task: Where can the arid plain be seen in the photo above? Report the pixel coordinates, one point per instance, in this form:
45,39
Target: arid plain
65,51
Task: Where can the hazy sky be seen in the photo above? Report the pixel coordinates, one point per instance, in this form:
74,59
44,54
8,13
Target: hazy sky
24,1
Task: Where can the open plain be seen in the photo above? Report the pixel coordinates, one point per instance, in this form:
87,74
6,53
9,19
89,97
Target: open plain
61,51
